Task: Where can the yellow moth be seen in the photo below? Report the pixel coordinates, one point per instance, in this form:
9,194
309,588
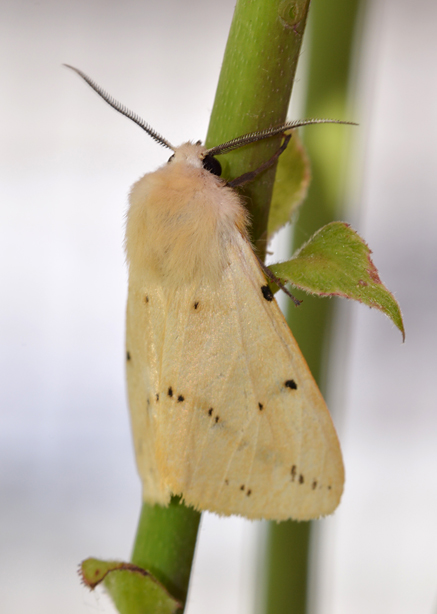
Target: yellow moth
224,409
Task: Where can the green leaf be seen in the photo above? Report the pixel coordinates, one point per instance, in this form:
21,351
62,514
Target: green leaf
336,262
131,588
291,184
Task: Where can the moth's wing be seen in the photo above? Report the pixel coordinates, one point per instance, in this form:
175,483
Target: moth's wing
146,316
240,426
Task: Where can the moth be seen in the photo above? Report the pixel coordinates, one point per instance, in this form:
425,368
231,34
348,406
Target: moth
225,412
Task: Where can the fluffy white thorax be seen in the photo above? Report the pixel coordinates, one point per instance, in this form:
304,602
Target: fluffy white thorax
181,221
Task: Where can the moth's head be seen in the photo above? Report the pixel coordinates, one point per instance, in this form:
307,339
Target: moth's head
196,155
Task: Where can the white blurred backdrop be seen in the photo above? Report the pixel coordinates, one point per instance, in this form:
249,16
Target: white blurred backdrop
68,484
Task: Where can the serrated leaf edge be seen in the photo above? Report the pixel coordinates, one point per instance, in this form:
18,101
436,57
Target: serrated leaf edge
122,566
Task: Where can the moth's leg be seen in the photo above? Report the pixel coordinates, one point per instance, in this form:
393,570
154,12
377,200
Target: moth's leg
250,176
268,273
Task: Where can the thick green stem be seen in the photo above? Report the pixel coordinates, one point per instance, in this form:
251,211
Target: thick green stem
164,544
332,29
254,91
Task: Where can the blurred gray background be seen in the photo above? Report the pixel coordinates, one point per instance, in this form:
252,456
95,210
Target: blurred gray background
68,484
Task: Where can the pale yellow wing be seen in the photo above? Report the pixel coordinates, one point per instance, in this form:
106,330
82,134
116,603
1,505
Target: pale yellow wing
225,411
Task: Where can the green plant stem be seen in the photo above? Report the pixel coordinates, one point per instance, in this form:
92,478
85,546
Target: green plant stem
253,93
332,30
287,567
165,542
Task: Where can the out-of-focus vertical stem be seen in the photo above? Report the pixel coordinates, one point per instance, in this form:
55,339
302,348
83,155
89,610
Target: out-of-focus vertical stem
332,29
333,23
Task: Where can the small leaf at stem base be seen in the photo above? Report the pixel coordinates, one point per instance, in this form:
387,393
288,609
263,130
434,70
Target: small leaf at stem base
133,590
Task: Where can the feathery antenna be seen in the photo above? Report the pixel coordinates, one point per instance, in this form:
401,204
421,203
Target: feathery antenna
240,141
122,109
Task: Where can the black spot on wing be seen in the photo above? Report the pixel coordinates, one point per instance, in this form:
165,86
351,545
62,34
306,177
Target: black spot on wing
210,410
301,480
146,299
314,485
217,419
267,293
180,398
293,472
242,487
127,355
290,383
249,492
170,392
261,406
157,396
196,304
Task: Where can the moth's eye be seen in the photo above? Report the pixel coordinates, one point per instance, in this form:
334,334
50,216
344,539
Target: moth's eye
212,165
170,159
